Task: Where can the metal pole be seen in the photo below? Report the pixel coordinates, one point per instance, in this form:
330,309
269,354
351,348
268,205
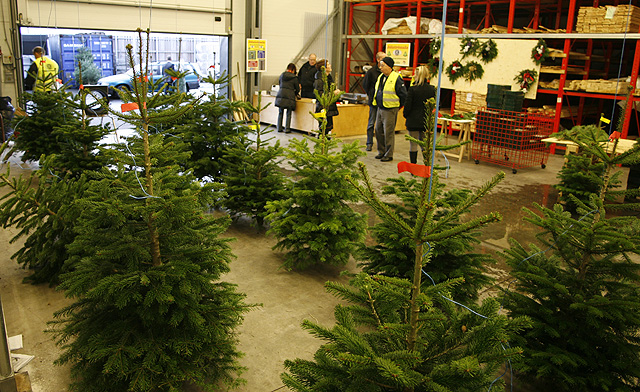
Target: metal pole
6,370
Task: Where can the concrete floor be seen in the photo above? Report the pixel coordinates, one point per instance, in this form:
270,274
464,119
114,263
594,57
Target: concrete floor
271,333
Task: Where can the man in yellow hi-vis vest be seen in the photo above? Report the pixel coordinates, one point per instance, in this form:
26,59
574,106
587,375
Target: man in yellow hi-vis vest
43,72
390,94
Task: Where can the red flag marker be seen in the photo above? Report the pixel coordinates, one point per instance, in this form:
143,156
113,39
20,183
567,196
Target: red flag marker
415,169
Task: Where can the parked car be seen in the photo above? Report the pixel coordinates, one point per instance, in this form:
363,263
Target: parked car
124,80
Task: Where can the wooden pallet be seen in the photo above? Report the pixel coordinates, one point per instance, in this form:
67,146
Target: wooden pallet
608,19
469,102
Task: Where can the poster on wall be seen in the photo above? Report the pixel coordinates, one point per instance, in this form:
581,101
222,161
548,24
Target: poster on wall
256,55
399,52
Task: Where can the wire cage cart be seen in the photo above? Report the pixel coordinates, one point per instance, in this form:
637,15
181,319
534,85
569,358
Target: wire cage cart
512,139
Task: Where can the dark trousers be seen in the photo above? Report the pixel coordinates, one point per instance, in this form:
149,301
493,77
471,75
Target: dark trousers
371,125
288,124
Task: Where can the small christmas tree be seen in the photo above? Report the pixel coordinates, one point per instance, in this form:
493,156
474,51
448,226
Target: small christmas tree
86,71
588,172
210,132
34,133
314,224
395,334
253,176
582,294
41,207
150,313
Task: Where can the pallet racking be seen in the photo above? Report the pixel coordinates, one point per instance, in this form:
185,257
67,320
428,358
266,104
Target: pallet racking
578,55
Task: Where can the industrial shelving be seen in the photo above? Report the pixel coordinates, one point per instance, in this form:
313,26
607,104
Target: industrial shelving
528,14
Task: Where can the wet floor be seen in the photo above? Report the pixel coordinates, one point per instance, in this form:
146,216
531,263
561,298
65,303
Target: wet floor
271,333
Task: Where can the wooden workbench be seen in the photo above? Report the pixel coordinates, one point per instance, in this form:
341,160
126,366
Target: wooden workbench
351,121
623,145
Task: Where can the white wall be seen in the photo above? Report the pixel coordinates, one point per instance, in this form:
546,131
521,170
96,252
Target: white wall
287,26
7,70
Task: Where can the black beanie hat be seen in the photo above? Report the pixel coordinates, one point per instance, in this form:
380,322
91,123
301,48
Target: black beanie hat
389,61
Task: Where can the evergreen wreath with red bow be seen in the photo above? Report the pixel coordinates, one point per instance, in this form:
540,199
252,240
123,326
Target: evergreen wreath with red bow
540,52
525,79
455,70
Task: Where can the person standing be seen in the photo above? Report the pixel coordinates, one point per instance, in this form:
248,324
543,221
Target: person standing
286,97
390,94
307,77
318,85
43,72
369,84
414,111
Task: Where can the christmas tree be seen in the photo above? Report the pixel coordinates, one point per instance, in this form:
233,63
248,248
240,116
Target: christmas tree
589,171
210,131
394,253
34,133
580,288
314,223
41,205
253,176
86,71
398,335
150,313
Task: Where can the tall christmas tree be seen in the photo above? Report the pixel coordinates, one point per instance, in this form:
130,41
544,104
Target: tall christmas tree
253,176
150,313
394,253
398,335
314,223
41,205
582,292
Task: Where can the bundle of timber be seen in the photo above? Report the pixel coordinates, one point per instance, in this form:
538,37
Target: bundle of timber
608,19
467,101
611,86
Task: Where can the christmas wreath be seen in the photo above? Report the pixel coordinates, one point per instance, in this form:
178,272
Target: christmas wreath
488,51
469,46
473,71
525,79
455,70
434,47
540,52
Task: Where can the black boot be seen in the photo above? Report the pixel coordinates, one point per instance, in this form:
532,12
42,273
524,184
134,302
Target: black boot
413,156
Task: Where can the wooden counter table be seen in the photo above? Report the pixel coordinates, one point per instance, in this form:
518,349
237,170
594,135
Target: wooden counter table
352,120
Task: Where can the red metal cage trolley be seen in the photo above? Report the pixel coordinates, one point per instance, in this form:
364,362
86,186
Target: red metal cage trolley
512,139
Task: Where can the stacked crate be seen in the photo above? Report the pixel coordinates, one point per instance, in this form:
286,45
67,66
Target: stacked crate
495,95
467,101
608,19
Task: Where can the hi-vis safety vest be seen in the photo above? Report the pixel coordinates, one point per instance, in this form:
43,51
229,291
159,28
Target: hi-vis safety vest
47,74
389,97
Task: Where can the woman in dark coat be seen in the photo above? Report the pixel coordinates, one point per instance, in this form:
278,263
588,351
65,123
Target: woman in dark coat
318,86
287,94
414,111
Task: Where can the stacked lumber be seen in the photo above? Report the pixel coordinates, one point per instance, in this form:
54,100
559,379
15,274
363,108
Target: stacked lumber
497,29
401,29
608,19
611,86
467,101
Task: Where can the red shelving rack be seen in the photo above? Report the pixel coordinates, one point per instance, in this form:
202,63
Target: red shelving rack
482,13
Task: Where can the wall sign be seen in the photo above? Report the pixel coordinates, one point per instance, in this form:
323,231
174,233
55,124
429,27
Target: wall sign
256,55
399,52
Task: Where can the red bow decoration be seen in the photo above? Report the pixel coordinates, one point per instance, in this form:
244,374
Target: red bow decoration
415,169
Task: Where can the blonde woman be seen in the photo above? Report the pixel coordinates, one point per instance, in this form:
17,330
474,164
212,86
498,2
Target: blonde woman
414,111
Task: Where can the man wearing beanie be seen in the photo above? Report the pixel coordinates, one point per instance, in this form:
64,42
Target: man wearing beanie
390,94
